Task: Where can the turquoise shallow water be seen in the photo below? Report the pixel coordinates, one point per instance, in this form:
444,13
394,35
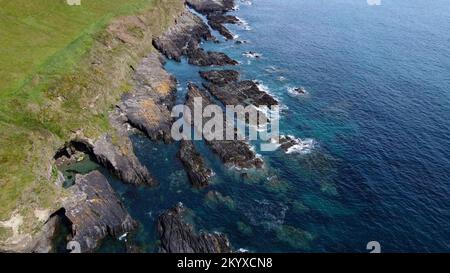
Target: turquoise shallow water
378,107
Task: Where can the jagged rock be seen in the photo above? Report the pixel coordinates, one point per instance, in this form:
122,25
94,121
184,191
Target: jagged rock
177,236
215,9
198,173
148,106
197,56
95,211
235,153
183,39
217,21
121,161
220,77
241,93
211,6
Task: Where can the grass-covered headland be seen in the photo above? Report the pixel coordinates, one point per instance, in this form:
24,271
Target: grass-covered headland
62,68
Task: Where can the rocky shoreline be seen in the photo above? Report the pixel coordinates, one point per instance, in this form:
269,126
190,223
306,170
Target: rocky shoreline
183,39
92,207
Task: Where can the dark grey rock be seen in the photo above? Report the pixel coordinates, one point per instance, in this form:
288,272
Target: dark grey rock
198,173
115,154
234,153
177,236
183,39
220,77
211,6
241,93
217,22
95,211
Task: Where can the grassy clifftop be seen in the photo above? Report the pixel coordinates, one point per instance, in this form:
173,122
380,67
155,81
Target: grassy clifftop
62,69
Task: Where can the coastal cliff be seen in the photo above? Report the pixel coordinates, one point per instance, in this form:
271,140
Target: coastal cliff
122,88
80,107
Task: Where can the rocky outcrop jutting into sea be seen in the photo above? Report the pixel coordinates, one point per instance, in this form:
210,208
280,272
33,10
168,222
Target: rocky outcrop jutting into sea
241,93
220,77
235,153
183,39
211,6
198,173
215,13
147,107
177,236
95,211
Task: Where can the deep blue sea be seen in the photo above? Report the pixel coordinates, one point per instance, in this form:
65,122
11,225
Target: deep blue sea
377,108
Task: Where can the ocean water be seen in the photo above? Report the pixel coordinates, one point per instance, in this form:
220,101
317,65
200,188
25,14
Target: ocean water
377,107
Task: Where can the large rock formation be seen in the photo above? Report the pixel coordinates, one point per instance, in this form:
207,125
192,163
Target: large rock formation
177,236
198,173
183,39
241,93
95,211
235,153
147,107
218,21
215,11
115,153
211,6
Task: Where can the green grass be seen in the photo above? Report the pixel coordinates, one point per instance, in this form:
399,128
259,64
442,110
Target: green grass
49,35
51,85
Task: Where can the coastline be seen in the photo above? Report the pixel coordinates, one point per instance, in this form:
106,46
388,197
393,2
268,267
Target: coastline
80,101
143,93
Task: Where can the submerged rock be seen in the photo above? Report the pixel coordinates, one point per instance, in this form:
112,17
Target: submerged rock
198,173
237,153
147,107
177,236
183,39
95,211
296,238
214,198
220,77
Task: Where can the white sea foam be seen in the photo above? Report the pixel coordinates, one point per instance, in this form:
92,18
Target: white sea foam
267,90
247,2
252,55
123,236
302,146
293,91
244,24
